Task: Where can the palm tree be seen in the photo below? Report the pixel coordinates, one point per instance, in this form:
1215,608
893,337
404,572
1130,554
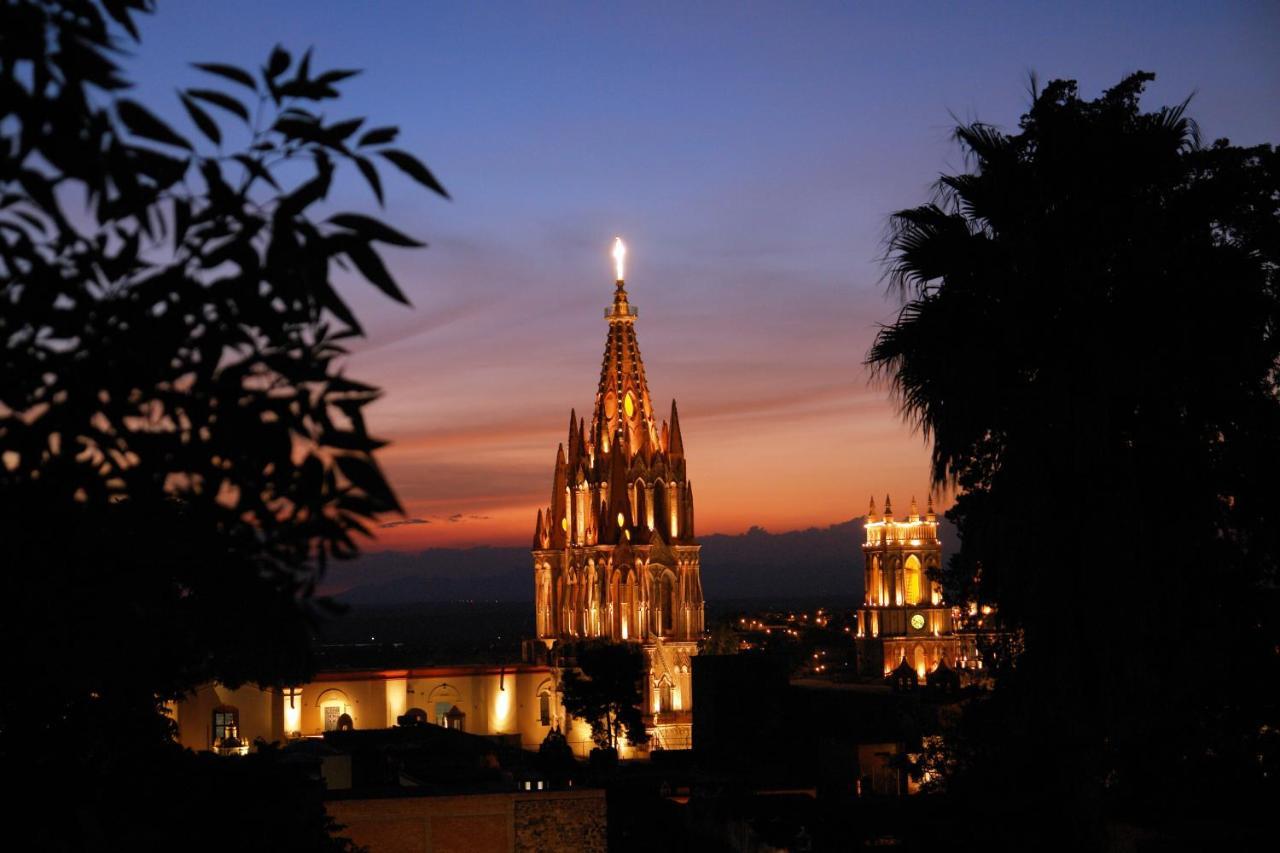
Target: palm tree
1089,338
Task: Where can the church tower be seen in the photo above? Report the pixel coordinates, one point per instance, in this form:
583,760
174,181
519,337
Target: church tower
903,618
614,553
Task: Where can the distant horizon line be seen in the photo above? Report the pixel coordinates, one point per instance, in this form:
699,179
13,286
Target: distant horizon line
518,544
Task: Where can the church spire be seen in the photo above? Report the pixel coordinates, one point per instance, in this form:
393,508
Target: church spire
619,498
622,398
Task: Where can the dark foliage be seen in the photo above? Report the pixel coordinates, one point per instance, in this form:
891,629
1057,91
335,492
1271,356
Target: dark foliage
181,451
606,689
1090,336
555,758
267,800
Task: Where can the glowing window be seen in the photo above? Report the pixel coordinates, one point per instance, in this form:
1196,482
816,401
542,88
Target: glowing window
226,723
629,404
911,578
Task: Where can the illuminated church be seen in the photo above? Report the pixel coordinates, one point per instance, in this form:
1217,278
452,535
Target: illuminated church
904,621
614,554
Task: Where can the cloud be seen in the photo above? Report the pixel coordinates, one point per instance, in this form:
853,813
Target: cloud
403,522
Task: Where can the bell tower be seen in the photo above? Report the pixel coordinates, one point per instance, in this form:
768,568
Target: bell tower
614,553
903,617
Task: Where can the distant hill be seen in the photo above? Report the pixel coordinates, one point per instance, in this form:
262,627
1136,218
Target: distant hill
824,561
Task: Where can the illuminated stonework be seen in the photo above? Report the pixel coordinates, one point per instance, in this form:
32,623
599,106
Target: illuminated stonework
614,555
903,617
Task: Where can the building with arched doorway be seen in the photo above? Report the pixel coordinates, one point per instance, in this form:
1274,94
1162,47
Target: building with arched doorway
514,700
614,553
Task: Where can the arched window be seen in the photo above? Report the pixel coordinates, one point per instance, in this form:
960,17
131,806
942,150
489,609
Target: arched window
667,602
333,705
661,519
624,603
443,698
639,504
912,579
544,708
226,723
665,700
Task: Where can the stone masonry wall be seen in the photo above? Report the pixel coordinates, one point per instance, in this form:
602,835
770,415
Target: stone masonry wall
543,823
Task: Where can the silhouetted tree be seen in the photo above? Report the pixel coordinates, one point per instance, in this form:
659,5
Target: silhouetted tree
606,689
1090,339
555,757
181,452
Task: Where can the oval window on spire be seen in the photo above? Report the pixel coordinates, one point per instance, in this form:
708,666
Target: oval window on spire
629,404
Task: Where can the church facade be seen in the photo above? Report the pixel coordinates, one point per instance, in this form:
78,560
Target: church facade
904,621
614,553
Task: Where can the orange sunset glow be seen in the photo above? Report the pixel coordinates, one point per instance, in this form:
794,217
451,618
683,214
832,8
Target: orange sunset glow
784,427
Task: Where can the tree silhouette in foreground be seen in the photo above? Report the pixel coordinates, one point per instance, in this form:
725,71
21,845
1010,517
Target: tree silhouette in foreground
1090,338
181,453
606,689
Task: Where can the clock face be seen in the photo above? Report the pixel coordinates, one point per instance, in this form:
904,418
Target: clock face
917,621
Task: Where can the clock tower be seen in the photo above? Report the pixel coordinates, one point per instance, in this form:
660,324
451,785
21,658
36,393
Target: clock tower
903,617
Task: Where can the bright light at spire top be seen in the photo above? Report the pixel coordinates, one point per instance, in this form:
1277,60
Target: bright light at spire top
619,256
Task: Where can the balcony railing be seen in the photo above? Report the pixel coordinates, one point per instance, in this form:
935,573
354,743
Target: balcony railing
669,718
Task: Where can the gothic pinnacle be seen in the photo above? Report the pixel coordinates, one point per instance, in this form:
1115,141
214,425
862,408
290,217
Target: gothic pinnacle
558,519
575,440
675,444
538,532
688,526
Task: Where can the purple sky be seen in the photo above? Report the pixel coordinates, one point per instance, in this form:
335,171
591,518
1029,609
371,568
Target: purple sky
748,153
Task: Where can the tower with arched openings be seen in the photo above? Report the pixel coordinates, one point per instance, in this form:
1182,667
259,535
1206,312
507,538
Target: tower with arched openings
614,553
903,616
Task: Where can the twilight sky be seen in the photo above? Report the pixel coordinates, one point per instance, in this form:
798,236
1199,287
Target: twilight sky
749,153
